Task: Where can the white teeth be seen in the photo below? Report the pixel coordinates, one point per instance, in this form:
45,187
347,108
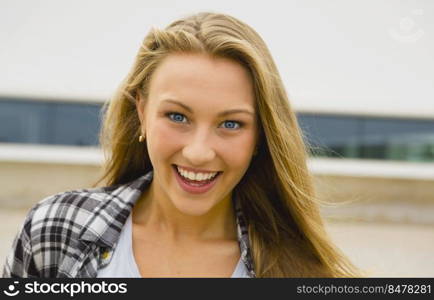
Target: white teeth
196,176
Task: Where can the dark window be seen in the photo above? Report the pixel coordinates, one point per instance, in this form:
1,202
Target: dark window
72,123
55,123
368,137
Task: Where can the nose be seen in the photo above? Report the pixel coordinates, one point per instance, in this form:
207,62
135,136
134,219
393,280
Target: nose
199,151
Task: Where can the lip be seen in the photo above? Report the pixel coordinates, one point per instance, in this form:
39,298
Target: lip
194,189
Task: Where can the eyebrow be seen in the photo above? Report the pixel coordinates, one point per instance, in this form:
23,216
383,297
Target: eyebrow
223,113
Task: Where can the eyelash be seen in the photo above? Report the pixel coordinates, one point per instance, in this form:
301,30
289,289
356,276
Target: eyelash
168,114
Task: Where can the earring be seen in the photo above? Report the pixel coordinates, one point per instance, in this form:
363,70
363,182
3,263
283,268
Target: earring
141,138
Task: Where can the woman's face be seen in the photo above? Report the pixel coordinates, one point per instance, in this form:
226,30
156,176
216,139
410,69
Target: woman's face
186,125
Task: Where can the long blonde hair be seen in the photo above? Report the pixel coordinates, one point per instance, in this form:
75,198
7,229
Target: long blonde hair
286,231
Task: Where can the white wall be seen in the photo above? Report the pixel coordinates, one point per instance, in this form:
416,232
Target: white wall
367,56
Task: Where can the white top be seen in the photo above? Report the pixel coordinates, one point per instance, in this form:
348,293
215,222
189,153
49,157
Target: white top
124,265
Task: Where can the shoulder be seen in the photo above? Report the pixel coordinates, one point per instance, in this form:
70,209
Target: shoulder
69,206
59,227
96,208
51,230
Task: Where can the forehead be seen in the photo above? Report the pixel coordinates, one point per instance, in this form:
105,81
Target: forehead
200,78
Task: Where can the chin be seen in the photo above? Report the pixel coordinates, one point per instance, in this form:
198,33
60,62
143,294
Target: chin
193,209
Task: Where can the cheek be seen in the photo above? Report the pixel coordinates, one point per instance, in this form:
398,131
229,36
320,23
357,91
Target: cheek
238,152
163,140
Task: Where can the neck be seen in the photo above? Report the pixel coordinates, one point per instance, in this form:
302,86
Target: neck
156,212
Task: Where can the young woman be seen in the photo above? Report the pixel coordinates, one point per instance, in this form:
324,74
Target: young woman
205,177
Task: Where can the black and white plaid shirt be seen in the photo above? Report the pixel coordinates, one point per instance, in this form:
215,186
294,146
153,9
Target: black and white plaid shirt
73,234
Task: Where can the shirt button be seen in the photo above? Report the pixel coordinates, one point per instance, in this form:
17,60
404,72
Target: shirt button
105,255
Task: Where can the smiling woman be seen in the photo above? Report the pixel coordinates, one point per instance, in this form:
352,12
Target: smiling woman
205,174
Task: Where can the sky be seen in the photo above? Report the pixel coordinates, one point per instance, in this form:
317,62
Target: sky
361,57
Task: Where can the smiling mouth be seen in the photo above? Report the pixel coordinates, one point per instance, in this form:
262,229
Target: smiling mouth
175,167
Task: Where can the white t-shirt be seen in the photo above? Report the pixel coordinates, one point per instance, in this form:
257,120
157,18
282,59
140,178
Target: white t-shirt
124,265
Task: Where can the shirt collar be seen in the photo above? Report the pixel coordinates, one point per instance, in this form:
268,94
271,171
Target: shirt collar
108,218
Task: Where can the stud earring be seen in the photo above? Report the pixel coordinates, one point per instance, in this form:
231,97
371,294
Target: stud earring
141,138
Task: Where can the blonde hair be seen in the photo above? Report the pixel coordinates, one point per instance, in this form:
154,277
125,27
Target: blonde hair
286,232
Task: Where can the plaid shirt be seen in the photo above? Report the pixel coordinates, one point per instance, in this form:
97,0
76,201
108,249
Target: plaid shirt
73,234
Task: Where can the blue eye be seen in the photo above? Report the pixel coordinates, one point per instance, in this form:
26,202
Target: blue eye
234,123
178,118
